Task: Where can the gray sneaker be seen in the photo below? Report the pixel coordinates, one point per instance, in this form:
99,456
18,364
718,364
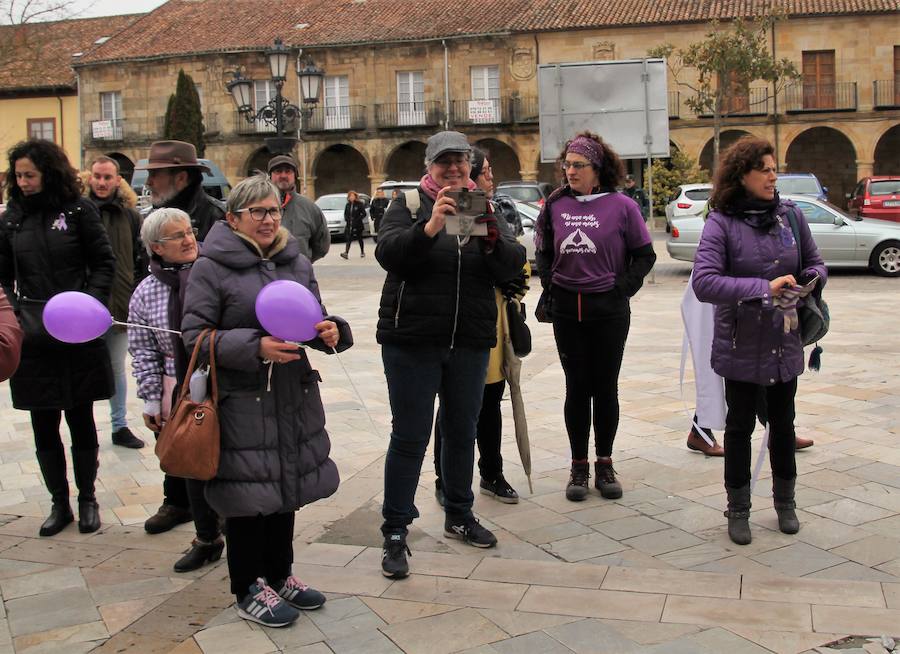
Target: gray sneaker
266,607
299,595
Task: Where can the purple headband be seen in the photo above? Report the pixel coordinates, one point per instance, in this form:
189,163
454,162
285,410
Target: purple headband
587,148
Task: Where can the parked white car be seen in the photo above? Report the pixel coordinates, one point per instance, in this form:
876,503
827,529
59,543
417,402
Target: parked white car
332,205
844,241
688,200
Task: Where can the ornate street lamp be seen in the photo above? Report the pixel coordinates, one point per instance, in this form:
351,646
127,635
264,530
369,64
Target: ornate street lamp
278,112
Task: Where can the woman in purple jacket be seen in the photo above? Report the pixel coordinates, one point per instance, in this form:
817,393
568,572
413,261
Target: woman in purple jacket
593,251
747,265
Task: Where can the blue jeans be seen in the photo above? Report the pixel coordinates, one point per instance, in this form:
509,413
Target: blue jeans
415,376
117,344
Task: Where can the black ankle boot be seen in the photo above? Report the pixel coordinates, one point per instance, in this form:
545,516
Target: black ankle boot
85,464
738,515
785,507
53,469
199,554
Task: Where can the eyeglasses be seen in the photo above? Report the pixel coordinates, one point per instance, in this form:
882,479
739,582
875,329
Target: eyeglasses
179,236
259,213
446,162
577,165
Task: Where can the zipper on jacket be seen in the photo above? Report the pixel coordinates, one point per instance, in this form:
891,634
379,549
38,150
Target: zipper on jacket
579,306
458,278
399,302
734,335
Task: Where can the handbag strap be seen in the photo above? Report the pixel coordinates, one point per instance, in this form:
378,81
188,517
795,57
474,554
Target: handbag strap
795,228
185,387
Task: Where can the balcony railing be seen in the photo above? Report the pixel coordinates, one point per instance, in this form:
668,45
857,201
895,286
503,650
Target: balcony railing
480,112
804,97
886,94
674,104
754,103
524,109
326,119
107,130
409,114
247,128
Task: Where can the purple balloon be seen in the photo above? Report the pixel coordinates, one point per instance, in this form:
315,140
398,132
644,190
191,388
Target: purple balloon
75,317
289,311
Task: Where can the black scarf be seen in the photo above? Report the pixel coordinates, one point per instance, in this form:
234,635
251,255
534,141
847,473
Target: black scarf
174,276
755,211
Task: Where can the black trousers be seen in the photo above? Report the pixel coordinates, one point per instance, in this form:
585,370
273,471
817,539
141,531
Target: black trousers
206,521
259,546
351,233
80,420
488,434
591,357
175,492
743,406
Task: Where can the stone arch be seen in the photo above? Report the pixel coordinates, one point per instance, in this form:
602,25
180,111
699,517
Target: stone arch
258,160
887,153
406,162
126,165
726,139
504,160
340,168
829,155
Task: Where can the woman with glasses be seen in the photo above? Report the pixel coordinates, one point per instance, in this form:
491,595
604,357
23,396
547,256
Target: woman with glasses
159,362
52,240
592,252
436,325
274,448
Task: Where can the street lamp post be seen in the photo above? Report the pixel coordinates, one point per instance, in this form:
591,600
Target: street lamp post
278,112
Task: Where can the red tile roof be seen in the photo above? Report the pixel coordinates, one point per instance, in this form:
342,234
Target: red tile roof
38,56
195,26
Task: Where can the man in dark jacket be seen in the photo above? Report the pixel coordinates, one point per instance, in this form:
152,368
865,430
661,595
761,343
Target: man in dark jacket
637,194
299,215
123,227
436,324
175,179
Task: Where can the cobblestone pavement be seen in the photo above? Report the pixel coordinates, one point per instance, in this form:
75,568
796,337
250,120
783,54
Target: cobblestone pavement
651,572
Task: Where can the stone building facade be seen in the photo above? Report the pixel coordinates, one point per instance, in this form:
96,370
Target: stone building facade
383,98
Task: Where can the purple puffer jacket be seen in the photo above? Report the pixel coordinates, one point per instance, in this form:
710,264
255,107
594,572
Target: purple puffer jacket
734,263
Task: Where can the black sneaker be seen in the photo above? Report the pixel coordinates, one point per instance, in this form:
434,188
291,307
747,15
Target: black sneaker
393,557
606,481
577,488
470,531
125,438
500,490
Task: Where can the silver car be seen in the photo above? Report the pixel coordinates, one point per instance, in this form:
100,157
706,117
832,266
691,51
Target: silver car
332,205
843,240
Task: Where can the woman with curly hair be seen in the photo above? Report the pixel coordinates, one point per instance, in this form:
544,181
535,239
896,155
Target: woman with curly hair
593,251
52,240
748,264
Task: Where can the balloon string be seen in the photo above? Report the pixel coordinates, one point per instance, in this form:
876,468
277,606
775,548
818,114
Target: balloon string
375,428
156,329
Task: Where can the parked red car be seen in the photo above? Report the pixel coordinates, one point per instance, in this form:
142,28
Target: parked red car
876,197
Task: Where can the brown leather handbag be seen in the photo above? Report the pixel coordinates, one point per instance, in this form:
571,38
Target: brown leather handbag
188,445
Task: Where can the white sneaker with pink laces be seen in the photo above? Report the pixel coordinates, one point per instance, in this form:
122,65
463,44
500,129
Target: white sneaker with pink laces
299,595
263,605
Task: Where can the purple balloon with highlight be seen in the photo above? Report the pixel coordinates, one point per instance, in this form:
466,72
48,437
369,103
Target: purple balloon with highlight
289,311
75,317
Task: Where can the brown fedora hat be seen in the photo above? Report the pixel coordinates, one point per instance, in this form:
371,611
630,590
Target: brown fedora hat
172,154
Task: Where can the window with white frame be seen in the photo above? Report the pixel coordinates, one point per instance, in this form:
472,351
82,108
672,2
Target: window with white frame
336,96
111,110
263,93
484,106
411,97
42,128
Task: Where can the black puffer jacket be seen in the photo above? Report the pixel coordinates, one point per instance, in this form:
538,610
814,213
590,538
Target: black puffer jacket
55,250
437,293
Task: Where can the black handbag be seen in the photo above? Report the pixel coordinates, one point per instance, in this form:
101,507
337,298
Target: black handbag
519,334
813,316
544,309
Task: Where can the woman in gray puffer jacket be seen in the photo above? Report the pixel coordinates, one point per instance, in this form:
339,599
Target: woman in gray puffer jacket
748,265
274,447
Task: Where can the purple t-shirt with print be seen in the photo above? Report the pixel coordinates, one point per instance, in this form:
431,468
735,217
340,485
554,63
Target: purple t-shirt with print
592,235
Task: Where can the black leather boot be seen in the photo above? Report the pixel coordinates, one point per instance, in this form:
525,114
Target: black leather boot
53,468
199,554
85,463
738,514
785,507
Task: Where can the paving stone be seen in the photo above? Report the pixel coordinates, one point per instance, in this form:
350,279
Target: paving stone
60,553
677,582
798,559
865,622
426,563
584,547
827,534
629,527
809,591
573,575
80,637
647,633
856,572
603,513
516,623
533,643
696,555
129,642
392,611
237,637
459,592
300,634
42,582
784,642
661,542
618,605
738,613
371,641
36,613
327,554
593,637
892,595
342,617
121,614
849,511
461,629
870,551
344,580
